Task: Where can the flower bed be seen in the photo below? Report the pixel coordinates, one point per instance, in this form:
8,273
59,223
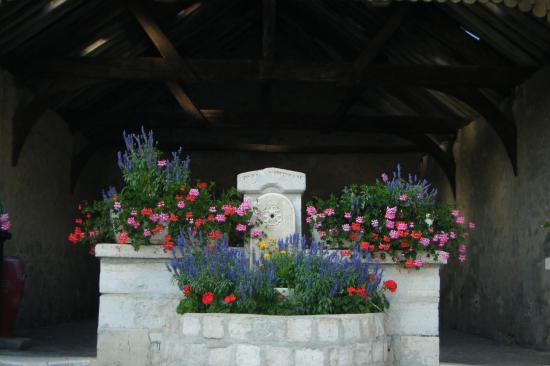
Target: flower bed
138,324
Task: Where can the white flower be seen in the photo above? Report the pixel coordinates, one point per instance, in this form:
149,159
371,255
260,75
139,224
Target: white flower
429,221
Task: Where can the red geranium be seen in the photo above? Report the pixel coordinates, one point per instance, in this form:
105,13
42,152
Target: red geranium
146,211
187,290
202,185
122,238
168,243
409,263
229,299
345,253
188,214
390,285
364,245
207,298
351,290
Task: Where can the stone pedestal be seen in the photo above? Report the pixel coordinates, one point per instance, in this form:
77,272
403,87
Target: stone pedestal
277,193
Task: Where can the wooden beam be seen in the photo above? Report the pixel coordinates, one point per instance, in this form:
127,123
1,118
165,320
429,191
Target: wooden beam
170,55
156,69
501,123
252,121
368,55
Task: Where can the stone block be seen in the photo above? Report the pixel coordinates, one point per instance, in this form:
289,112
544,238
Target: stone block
341,356
268,329
351,329
327,329
277,356
415,351
191,325
220,356
299,329
363,354
309,357
240,327
212,326
123,347
247,355
413,319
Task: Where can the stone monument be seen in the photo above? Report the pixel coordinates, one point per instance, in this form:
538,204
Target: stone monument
277,193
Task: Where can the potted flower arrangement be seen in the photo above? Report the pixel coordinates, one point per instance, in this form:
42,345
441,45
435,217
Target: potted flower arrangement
397,217
159,201
220,280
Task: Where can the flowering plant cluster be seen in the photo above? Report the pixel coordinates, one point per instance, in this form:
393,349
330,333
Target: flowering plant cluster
221,279
5,224
159,200
397,217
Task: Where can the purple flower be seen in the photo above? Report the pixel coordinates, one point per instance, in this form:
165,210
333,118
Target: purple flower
359,219
384,177
425,241
220,218
212,209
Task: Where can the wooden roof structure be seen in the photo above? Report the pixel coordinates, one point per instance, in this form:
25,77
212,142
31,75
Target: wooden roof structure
273,75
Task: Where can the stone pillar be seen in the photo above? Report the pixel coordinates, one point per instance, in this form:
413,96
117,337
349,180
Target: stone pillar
277,193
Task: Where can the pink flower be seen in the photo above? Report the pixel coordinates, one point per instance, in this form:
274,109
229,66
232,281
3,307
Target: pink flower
424,241
394,234
359,219
403,198
411,225
461,258
164,217
390,213
444,255
308,219
212,209
133,212
462,248
241,227
131,221
246,205
471,225
117,206
443,238
418,263
220,218
317,225
162,163
384,177
194,192
402,226
322,215
374,223
310,210
255,233
154,217
345,227
240,212
181,204
347,215
160,204
460,220
453,235
390,224
329,212
455,213
146,232
322,234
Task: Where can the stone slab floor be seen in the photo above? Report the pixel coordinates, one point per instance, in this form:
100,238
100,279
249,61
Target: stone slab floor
74,345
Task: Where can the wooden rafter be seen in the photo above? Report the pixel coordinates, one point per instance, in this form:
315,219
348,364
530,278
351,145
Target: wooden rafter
368,55
156,69
170,55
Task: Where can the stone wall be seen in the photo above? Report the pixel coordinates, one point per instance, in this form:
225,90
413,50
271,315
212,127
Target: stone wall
503,290
61,282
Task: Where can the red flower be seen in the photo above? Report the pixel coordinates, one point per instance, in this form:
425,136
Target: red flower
187,290
375,236
387,239
88,215
199,222
364,245
190,198
416,235
210,218
168,243
182,188
362,292
355,226
383,246
409,263
122,238
404,244
345,253
173,218
351,290
78,221
146,211
189,214
353,237
390,285
157,229
202,185
179,197
73,238
207,298
371,248
229,299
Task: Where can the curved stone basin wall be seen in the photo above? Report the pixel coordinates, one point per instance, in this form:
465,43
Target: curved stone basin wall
254,340
138,324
